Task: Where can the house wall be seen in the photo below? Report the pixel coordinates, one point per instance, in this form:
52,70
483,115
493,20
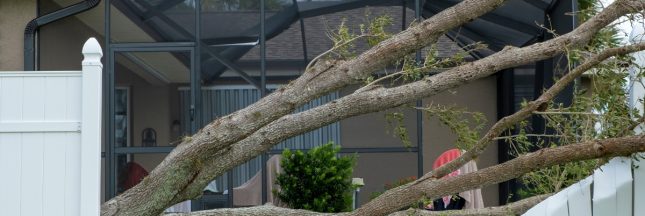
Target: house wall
14,16
59,50
478,96
371,130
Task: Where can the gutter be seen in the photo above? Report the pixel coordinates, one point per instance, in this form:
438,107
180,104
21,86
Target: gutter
33,26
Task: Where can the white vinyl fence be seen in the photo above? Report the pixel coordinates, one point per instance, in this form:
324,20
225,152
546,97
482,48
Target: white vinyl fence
50,139
618,190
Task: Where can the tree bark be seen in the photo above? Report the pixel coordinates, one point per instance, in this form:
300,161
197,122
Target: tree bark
492,175
235,138
383,98
515,208
168,183
543,158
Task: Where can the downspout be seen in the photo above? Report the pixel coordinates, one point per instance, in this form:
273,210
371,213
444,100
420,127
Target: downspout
33,26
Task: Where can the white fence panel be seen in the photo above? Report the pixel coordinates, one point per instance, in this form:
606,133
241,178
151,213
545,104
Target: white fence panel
579,197
537,210
50,137
612,188
639,185
557,204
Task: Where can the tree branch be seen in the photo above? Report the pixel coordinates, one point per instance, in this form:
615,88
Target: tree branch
543,158
184,172
506,123
531,107
169,182
515,208
492,175
383,98
263,210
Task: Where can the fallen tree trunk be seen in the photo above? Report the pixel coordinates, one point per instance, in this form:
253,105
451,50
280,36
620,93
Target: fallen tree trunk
515,208
492,175
167,183
233,139
383,98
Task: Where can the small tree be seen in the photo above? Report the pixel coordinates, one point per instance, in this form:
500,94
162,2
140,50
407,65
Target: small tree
317,180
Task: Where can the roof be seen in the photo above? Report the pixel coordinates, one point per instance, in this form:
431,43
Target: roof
230,31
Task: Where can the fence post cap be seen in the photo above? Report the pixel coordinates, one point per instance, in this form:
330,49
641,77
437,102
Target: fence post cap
92,51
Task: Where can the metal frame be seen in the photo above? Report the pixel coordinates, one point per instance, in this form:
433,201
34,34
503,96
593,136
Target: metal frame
112,49
419,103
113,151
263,91
194,49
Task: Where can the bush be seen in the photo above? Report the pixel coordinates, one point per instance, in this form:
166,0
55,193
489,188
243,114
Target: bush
316,180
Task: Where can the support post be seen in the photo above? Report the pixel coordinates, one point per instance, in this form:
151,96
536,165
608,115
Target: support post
263,92
91,97
419,103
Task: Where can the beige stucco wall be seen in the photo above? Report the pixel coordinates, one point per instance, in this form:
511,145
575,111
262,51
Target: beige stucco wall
371,130
14,16
61,43
479,96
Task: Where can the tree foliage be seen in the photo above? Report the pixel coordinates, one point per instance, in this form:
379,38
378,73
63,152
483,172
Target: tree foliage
600,110
317,180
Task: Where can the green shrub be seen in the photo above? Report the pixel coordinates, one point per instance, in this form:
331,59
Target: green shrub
316,180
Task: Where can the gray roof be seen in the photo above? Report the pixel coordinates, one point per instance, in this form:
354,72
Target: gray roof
288,44
517,23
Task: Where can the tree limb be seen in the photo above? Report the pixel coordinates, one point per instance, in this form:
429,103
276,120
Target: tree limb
502,125
515,208
383,98
543,158
184,172
492,175
169,182
263,210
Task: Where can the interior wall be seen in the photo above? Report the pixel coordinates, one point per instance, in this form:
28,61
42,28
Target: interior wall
372,130
14,16
150,107
478,96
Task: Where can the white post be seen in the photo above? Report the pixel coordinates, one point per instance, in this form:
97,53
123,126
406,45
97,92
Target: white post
91,128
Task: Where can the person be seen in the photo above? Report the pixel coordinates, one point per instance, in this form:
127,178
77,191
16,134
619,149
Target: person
465,200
